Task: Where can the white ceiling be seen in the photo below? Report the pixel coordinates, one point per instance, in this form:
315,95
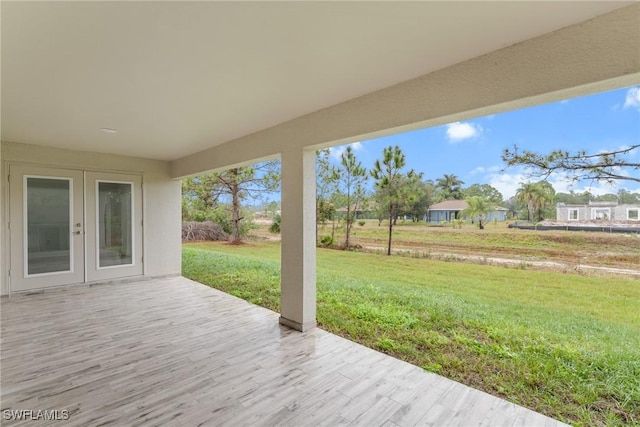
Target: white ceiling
174,78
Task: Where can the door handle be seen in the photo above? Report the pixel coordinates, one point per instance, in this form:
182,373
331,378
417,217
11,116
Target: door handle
76,232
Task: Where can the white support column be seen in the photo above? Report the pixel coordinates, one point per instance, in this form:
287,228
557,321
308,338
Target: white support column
298,282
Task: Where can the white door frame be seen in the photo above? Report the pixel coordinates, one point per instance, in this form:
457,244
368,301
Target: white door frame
94,270
20,278
83,186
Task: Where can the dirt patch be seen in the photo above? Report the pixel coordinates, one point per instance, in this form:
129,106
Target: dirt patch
587,253
510,262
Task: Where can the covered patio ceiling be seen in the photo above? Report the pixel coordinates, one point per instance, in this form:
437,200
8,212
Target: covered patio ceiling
176,78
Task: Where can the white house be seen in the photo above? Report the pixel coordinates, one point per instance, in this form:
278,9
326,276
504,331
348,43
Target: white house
107,105
449,210
602,211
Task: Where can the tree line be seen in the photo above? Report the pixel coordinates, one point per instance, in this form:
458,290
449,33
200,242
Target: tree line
342,195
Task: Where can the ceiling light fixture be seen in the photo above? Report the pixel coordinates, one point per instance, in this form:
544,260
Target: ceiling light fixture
109,130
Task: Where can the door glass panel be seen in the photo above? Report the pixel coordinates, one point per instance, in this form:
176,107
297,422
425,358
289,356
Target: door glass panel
115,240
48,225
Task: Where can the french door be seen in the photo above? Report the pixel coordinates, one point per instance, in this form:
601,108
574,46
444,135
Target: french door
69,226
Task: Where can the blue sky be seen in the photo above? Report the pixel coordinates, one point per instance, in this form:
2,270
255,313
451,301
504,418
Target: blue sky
472,149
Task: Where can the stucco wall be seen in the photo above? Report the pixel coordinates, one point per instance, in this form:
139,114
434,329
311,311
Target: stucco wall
2,225
585,213
562,212
620,212
497,216
161,200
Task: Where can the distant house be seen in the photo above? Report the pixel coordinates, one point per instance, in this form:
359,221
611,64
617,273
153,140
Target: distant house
602,211
364,210
450,210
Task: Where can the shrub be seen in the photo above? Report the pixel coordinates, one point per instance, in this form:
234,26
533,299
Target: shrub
220,215
207,230
326,241
361,223
275,226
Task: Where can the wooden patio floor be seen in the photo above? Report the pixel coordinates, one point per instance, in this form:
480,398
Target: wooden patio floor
171,351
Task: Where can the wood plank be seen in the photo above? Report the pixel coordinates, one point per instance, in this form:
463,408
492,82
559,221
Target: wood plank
171,351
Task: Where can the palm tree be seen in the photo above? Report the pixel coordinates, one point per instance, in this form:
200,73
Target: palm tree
527,194
477,207
450,186
536,196
545,194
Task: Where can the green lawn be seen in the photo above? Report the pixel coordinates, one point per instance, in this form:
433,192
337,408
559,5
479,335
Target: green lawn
564,345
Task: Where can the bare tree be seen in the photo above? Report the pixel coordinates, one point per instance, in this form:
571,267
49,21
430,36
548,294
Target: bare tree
238,184
609,166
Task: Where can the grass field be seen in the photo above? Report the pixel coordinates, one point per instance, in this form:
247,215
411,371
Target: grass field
564,345
572,248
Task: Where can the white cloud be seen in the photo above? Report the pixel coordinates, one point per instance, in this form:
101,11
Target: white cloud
488,170
508,184
597,188
336,152
564,101
563,183
459,131
632,99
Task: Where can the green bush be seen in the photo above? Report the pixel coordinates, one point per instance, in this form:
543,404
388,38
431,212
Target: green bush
275,226
326,241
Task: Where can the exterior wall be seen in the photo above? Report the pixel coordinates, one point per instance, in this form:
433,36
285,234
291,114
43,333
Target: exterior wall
586,212
161,200
4,260
436,217
596,212
620,212
497,216
636,216
583,213
562,212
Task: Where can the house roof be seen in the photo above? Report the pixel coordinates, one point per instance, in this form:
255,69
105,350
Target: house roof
176,78
449,205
